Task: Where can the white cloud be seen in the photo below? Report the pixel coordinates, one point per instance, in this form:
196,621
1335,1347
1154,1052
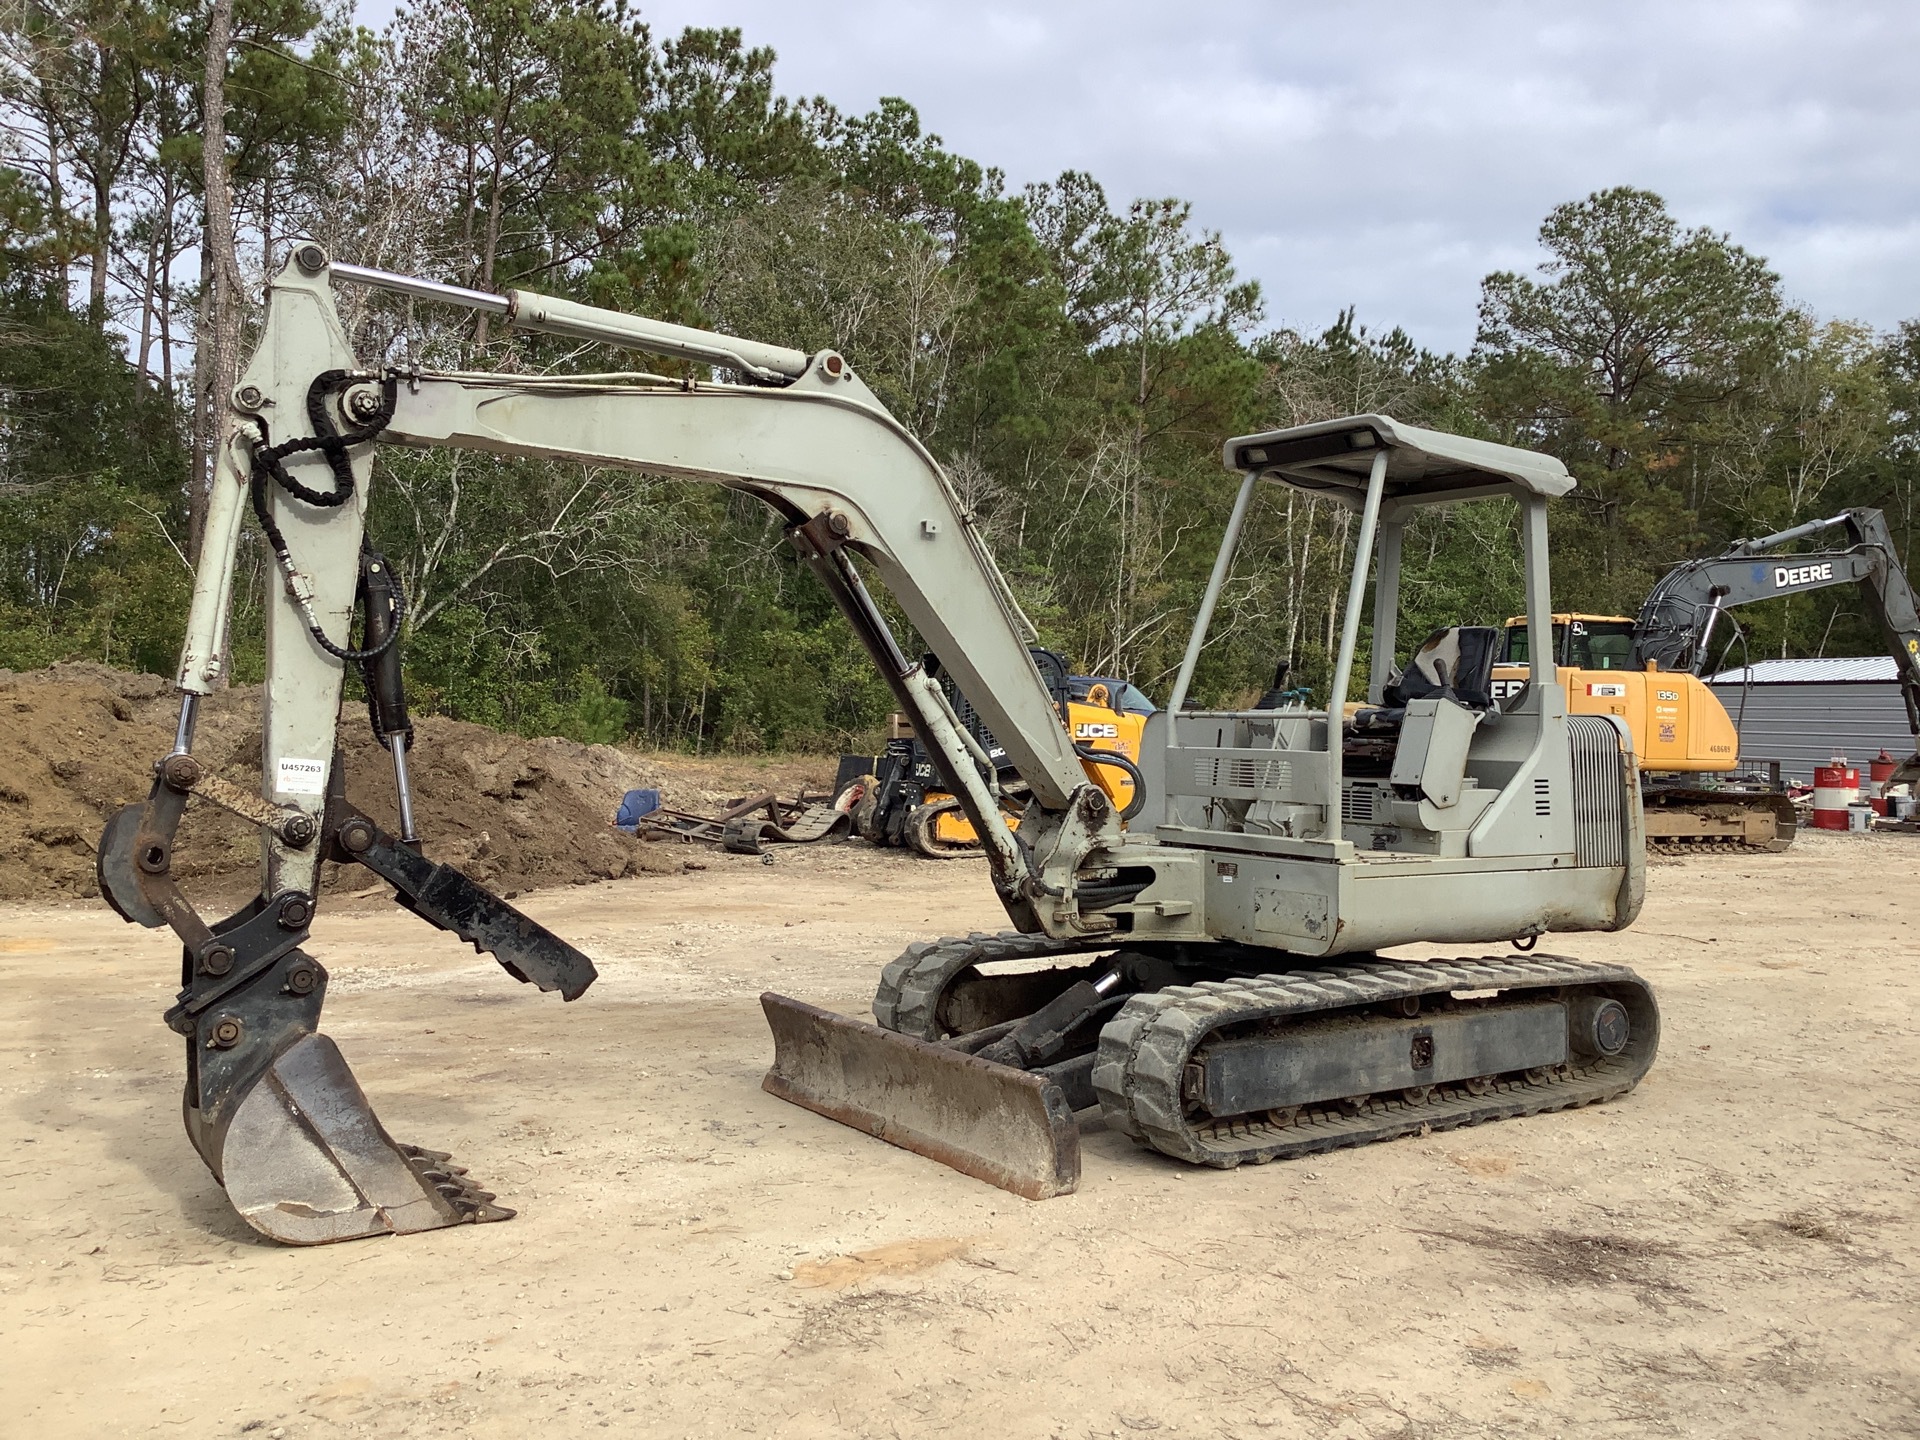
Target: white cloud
1388,153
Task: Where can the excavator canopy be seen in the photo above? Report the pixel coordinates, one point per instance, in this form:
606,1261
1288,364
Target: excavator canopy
1424,467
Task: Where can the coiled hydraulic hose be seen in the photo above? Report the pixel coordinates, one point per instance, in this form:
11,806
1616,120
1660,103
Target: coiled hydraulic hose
269,462
1119,762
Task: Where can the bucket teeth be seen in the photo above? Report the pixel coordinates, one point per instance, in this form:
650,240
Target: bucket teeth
449,1181
306,1161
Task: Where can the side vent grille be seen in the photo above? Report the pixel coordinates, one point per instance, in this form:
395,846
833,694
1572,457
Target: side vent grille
1361,804
1543,797
1210,773
1599,827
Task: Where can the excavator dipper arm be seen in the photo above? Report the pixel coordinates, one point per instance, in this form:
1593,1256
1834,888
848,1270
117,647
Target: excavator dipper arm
851,482
270,1104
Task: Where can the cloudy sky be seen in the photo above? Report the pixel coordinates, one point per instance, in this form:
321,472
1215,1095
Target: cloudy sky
1389,153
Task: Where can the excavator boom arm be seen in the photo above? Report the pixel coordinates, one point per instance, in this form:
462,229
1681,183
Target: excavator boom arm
805,435
1676,624
820,449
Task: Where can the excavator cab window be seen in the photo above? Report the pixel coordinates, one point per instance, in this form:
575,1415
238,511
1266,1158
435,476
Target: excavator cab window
1595,644
1120,695
1582,644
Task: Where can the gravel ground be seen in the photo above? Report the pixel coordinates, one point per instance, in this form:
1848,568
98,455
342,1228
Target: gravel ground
1729,1251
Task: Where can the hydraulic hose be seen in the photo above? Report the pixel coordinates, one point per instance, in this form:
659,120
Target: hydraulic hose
1119,762
269,463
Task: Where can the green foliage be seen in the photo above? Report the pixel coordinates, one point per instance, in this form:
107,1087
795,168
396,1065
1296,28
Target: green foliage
1074,364
1693,406
92,475
1630,357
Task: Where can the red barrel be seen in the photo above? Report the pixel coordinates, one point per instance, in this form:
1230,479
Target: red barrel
1879,773
1835,787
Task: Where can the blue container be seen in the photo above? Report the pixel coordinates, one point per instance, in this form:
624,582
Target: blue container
635,806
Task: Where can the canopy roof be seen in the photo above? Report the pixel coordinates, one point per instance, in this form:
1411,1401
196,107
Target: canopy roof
1424,467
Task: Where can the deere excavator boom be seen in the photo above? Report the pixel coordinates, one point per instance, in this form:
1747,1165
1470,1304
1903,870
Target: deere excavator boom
1647,671
1173,973
1676,624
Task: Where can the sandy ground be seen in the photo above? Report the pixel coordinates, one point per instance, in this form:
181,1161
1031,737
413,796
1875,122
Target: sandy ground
1728,1251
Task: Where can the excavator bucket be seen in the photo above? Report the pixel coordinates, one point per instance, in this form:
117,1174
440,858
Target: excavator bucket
306,1162
1005,1126
270,1103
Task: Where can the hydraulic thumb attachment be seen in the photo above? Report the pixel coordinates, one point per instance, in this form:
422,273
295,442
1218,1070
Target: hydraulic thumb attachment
443,896
271,1105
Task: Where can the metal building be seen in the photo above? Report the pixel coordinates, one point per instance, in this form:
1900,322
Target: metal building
1803,712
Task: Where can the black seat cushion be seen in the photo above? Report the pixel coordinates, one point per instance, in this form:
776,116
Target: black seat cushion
1455,663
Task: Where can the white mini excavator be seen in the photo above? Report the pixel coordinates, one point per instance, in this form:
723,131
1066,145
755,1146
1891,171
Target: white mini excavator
1207,978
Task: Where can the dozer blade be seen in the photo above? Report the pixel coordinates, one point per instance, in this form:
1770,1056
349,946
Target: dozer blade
1005,1126
306,1162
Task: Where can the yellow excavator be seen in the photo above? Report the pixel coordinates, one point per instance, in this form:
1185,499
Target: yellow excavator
1646,672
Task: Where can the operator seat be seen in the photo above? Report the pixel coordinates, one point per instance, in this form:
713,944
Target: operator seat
1453,663
1420,739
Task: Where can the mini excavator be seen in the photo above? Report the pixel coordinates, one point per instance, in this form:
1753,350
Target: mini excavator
1207,978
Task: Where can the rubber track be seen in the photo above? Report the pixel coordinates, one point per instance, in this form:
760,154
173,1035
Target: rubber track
908,999
1145,1048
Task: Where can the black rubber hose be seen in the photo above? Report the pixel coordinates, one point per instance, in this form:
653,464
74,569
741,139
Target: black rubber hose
1119,762
268,462
1099,897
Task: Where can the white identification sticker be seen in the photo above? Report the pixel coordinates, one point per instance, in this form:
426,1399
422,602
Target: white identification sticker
1607,692
300,777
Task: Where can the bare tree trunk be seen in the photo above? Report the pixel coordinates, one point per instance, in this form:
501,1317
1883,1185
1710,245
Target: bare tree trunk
102,240
147,300
57,200
204,344
494,208
170,200
217,340
492,241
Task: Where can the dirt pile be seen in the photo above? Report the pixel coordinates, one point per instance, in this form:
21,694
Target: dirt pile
77,742
70,754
